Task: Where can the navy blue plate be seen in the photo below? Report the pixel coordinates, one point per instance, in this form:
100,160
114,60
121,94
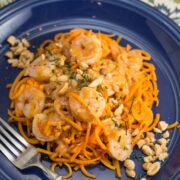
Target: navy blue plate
139,24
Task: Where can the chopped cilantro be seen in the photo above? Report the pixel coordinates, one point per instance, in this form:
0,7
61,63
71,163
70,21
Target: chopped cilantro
106,117
126,126
136,177
73,76
48,51
86,78
115,123
139,158
119,139
130,109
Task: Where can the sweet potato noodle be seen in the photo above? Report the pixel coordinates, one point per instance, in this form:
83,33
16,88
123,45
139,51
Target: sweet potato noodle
82,97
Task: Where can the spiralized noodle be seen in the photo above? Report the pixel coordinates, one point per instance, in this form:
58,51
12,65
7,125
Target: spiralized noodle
78,123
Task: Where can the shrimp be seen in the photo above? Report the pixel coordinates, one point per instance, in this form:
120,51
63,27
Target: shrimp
120,146
40,69
95,105
47,127
86,49
30,101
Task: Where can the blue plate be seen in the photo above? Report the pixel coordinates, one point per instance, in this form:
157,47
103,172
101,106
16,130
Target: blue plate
139,24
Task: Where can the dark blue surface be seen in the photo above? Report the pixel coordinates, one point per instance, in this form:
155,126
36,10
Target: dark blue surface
140,25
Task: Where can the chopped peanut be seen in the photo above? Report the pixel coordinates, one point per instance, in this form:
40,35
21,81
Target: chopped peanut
163,156
166,135
148,159
146,165
135,132
162,141
25,42
153,169
9,54
119,110
140,143
130,173
162,125
147,150
129,164
63,78
157,149
156,130
12,40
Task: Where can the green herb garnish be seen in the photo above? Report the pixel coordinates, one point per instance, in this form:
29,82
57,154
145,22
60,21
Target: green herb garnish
119,139
48,51
86,78
136,177
116,123
126,126
73,76
139,158
130,109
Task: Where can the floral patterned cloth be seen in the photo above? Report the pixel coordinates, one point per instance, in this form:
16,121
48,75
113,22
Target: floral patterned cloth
171,8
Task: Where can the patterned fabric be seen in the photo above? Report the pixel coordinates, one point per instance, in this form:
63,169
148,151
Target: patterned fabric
171,8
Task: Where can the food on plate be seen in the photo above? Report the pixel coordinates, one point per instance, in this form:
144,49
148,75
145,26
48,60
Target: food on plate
88,100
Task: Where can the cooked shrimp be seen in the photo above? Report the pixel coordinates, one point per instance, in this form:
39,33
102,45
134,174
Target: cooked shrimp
30,102
95,104
40,69
120,144
86,49
47,127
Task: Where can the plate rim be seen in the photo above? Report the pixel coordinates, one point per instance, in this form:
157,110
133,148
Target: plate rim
149,10
172,28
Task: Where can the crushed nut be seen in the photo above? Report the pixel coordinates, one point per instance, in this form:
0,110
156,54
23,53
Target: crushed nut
63,78
166,135
18,49
74,83
157,149
130,173
13,62
119,110
146,165
162,125
83,65
12,40
162,141
9,54
79,71
156,130
129,164
96,82
163,156
135,132
140,143
148,159
25,43
147,140
103,71
164,148
151,136
147,150
64,89
113,102
153,169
